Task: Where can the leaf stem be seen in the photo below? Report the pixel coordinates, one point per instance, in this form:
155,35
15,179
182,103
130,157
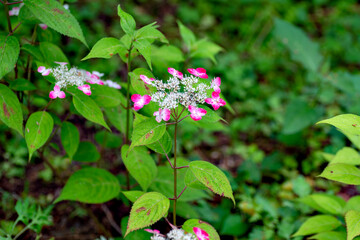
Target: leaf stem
177,197
128,95
175,175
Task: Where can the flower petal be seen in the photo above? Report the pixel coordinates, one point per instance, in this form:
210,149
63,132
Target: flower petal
147,99
46,72
136,97
166,114
52,95
61,94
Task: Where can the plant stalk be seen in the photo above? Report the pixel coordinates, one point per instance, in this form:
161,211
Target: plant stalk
175,175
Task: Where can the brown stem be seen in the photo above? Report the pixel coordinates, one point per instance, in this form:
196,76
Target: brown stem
110,218
12,3
175,176
177,197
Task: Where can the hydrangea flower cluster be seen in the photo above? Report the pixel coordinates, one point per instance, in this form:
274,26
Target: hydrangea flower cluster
66,77
179,234
187,91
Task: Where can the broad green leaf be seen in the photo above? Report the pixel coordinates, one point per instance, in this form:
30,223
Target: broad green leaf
105,96
163,144
352,219
302,49
212,177
90,185
325,203
10,109
186,210
234,225
37,130
353,204
343,173
144,48
147,210
147,132
205,49
317,224
187,35
347,155
117,117
89,109
9,53
26,16
22,84
191,223
301,187
135,235
34,51
164,183
108,139
105,48
139,86
349,124
53,53
150,33
332,235
298,115
166,55
140,165
127,22
133,195
70,138
53,14
192,181
86,152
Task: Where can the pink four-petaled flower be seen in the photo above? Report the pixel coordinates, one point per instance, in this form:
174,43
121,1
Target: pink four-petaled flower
57,93
146,79
198,72
93,78
215,101
162,114
14,11
216,82
44,71
61,63
196,113
43,26
201,234
85,89
140,101
175,73
152,231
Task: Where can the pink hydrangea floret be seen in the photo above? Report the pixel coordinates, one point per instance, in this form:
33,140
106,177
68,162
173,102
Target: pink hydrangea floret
61,63
162,114
44,71
146,79
198,72
152,231
140,101
14,11
196,113
175,73
43,26
216,82
93,78
85,89
215,101
201,234
57,93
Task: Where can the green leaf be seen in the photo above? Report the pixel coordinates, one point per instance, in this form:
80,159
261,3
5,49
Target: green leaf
37,130
147,132
53,14
166,55
234,225
117,117
89,109
347,155
105,48
329,236
352,219
325,203
164,183
105,96
349,124
187,35
302,49
147,210
192,181
133,195
301,187
135,235
10,109
139,86
317,224
9,53
90,185
70,138
86,152
298,115
53,53
108,139
353,204
127,22
212,177
140,165
164,143
144,48
150,33
205,49
191,223
34,51
343,173
22,84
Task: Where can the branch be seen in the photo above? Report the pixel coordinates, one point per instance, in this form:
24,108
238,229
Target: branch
166,154
179,194
12,3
